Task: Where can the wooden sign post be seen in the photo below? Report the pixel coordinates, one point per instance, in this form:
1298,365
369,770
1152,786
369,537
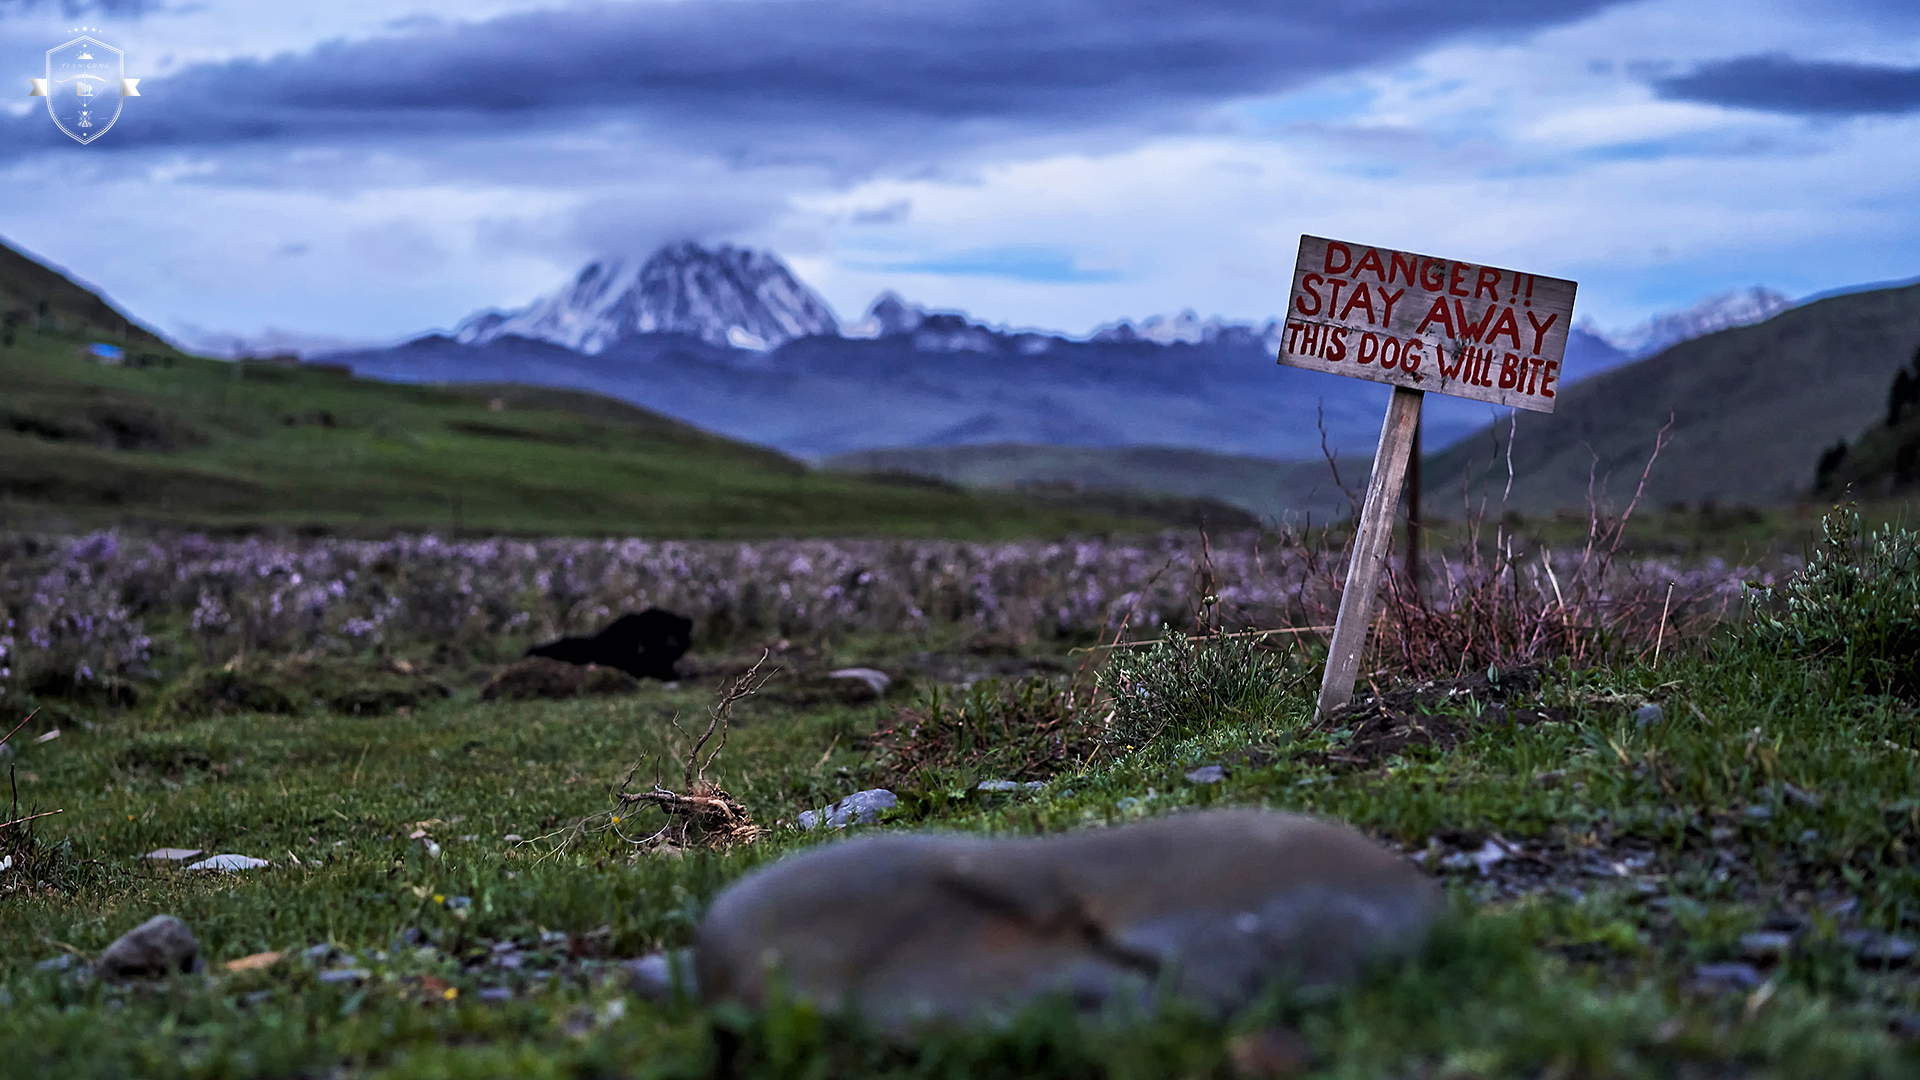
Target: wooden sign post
1418,323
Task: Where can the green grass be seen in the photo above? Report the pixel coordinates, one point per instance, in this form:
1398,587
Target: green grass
186,442
1524,981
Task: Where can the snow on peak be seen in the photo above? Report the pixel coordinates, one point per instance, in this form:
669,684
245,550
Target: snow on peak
1725,311
887,315
726,296
1187,328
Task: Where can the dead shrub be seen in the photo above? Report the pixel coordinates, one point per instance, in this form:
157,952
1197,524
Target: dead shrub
1502,604
701,815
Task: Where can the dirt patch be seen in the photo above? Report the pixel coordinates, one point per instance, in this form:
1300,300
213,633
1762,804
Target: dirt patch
1440,714
169,760
228,690
539,678
985,658
357,689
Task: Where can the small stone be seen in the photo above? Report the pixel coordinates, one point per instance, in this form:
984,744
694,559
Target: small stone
170,854
859,808
1490,855
496,994
1885,951
1766,945
160,946
876,681
1009,785
512,838
1648,714
1760,813
1206,774
229,863
1272,1053
1213,905
344,975
58,963
656,975
1721,978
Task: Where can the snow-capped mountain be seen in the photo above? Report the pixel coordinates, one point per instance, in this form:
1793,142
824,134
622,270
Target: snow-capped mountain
1188,328
726,296
1723,312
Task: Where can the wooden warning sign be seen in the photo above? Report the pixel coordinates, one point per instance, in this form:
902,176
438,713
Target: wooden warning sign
1427,323
1418,323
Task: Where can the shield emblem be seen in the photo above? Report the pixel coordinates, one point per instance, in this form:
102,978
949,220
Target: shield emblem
83,87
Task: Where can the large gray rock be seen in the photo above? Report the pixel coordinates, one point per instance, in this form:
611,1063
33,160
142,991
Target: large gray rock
1212,906
160,946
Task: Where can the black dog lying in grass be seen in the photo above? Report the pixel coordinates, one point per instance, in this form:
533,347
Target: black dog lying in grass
644,645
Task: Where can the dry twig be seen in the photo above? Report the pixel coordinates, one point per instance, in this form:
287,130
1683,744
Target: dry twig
704,814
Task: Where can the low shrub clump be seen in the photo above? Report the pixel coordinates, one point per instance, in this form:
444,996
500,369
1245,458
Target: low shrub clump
1854,610
1026,730
1177,687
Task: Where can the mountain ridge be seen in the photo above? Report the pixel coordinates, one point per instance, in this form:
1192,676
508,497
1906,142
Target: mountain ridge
727,296
1752,408
906,375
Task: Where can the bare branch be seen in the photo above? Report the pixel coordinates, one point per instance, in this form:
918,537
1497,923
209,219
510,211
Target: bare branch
1327,451
743,687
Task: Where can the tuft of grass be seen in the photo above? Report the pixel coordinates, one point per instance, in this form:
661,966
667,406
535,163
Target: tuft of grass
1177,687
1022,730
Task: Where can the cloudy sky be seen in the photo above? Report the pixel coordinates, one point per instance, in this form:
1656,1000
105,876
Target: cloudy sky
367,169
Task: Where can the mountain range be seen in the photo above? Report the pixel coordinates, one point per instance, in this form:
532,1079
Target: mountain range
729,339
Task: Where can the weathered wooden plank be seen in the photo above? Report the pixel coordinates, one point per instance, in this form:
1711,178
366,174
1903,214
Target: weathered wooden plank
1427,323
1370,548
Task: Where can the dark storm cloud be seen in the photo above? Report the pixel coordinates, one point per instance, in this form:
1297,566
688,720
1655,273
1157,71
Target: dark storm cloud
820,80
1782,84
74,9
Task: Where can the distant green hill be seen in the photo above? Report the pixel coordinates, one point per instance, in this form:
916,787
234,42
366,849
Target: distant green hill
182,441
1752,408
1269,490
37,297
156,438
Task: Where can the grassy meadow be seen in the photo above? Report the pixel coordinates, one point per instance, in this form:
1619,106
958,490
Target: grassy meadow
453,881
